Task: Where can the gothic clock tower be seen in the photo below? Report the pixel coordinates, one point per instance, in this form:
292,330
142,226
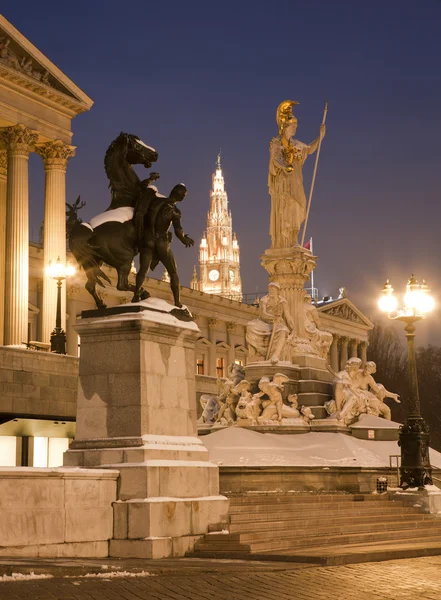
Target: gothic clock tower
219,249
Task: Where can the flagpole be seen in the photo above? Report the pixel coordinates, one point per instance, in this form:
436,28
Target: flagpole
312,272
325,112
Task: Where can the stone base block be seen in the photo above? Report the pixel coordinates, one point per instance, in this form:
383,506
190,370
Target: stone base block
73,550
254,371
429,498
168,526
105,452
303,360
153,479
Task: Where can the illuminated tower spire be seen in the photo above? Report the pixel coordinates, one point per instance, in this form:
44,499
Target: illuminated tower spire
219,262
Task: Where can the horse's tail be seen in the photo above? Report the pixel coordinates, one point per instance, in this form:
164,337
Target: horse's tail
79,244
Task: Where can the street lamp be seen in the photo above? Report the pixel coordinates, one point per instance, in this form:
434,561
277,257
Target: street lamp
58,271
415,467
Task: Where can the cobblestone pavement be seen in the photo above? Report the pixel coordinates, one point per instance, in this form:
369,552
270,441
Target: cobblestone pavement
416,579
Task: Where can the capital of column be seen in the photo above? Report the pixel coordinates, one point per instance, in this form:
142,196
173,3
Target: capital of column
355,343
3,164
344,340
19,140
231,326
212,322
364,344
55,154
72,291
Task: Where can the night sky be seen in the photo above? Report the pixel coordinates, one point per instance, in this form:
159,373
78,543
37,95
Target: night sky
191,77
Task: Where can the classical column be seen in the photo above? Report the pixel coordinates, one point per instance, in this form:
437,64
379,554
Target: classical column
3,171
212,323
231,327
55,156
40,307
363,351
19,142
343,352
334,352
71,334
354,348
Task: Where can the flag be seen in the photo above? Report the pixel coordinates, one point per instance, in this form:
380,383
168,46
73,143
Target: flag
308,244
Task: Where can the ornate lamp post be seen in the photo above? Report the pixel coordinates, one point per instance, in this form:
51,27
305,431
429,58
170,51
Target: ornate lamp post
415,467
59,272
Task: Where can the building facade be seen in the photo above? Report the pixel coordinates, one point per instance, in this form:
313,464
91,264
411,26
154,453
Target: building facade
219,254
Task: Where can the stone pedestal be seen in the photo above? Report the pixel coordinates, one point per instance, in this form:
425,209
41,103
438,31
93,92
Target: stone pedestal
290,268
137,413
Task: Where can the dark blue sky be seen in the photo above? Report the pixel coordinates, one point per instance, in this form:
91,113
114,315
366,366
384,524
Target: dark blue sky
192,77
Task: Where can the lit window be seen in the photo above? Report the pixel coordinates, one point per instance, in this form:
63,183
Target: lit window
200,366
238,361
220,367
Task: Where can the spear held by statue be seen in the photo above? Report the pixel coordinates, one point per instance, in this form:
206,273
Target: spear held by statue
325,112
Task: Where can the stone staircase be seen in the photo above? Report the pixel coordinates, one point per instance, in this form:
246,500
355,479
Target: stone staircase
322,528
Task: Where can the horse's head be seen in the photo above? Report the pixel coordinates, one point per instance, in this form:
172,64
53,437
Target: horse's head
139,153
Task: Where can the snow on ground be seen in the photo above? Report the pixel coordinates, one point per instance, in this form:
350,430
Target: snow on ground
23,577
236,446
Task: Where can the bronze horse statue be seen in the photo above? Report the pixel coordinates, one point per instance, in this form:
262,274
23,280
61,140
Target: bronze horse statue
112,237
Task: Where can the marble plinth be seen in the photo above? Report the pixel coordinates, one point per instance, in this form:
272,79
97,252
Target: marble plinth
137,414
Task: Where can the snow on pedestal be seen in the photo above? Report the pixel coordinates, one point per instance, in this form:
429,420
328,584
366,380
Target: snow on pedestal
136,413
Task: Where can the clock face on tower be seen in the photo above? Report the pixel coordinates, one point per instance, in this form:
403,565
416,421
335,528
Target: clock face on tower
231,276
213,275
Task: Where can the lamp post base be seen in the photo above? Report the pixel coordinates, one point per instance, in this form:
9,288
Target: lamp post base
58,341
415,469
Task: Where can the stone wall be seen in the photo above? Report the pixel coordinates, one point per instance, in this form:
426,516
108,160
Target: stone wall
56,512
37,384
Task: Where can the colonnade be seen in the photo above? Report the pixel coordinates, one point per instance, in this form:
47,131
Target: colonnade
19,142
343,347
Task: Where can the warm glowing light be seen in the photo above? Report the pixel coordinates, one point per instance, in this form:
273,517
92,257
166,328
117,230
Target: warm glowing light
417,299
235,245
57,270
224,241
69,271
388,303
203,243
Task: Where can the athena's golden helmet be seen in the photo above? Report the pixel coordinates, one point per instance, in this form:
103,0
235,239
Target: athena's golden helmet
284,114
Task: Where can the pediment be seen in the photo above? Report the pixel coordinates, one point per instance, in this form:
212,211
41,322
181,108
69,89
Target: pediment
204,341
347,311
223,345
240,348
23,65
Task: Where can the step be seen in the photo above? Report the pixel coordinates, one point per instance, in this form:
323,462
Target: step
276,528
342,555
325,530
261,511
343,539
307,496
290,515
292,540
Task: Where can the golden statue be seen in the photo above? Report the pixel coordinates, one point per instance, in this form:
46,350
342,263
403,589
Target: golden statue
285,180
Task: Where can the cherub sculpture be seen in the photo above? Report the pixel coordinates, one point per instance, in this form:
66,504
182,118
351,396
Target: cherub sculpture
228,398
273,389
210,409
249,405
357,392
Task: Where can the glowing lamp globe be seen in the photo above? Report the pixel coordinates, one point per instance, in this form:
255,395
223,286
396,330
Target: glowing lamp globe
69,271
388,303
